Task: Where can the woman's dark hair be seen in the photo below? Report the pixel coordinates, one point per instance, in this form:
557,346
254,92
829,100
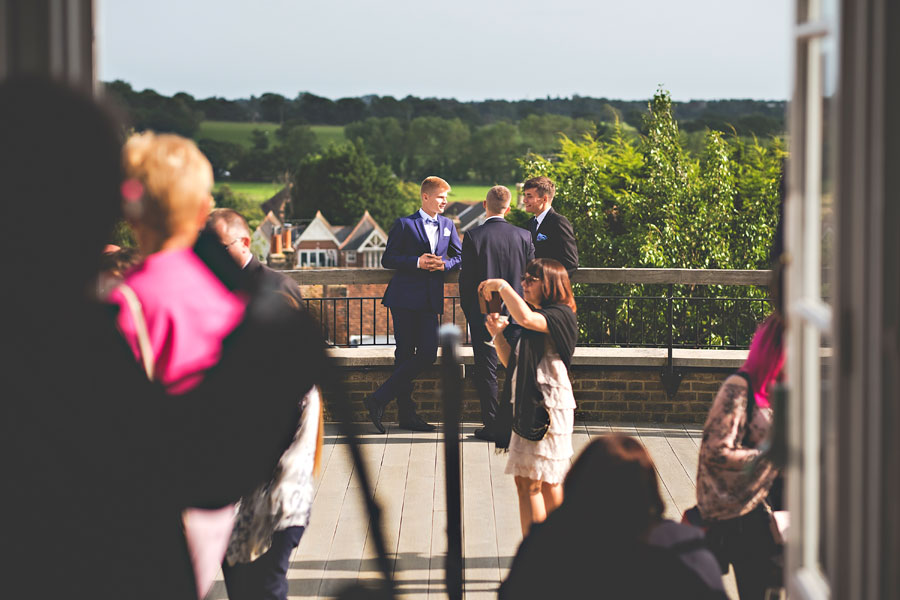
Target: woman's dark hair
555,285
614,482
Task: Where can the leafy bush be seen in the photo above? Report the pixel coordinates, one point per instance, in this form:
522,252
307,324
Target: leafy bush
654,204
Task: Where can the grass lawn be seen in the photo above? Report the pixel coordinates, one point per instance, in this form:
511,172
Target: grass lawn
329,134
474,193
236,133
241,133
257,192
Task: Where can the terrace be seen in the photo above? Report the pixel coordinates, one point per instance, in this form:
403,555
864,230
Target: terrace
407,472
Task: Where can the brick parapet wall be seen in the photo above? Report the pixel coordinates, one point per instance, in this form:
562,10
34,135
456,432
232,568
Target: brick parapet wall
616,393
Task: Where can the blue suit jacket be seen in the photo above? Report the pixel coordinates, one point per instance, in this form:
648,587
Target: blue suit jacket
412,287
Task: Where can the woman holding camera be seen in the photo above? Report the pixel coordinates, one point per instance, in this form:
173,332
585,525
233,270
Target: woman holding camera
537,408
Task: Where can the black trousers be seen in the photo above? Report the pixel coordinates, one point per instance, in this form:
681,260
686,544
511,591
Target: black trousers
416,336
485,358
266,577
748,545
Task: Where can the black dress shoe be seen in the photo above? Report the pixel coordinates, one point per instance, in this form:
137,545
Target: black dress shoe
415,423
485,434
375,413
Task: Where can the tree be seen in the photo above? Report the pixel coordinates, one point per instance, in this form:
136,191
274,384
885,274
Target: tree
343,182
222,155
297,143
437,146
654,204
384,140
260,140
494,152
272,107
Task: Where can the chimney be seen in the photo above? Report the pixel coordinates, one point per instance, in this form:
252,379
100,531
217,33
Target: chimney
276,258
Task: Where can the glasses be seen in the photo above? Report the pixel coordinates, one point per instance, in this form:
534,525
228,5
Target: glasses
230,243
530,279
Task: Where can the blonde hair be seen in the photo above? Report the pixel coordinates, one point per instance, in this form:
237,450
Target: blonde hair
434,185
176,177
498,199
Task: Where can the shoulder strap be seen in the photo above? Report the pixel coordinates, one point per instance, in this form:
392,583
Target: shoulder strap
751,404
140,328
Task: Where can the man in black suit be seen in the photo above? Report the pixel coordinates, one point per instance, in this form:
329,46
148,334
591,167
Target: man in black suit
494,249
232,230
551,232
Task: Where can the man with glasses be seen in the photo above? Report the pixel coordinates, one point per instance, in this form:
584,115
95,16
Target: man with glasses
495,249
233,232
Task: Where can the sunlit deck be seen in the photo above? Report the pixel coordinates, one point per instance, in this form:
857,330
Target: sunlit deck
408,473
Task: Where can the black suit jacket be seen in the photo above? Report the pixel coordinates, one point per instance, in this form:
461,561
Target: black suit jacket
494,249
259,275
555,239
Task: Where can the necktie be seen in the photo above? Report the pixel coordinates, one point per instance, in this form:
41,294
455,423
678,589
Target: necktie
532,224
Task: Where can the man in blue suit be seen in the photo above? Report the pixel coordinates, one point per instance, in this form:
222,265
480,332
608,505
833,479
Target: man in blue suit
420,247
495,249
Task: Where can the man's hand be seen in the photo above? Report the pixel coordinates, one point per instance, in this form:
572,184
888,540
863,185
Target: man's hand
431,262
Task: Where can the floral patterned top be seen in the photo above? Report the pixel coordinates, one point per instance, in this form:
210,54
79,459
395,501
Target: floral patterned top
284,502
732,479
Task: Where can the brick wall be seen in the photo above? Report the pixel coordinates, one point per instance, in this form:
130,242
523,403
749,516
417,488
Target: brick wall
617,394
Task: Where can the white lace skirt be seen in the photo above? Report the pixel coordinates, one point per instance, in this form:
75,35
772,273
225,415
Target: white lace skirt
547,459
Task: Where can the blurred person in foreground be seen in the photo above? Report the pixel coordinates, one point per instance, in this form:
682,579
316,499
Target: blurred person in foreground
173,310
738,487
98,462
271,520
537,409
608,539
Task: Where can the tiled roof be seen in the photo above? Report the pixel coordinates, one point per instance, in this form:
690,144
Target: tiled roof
341,232
470,216
276,203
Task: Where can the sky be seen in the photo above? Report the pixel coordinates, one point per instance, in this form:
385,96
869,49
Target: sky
464,49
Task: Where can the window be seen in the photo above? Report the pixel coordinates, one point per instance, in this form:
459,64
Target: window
351,257
373,259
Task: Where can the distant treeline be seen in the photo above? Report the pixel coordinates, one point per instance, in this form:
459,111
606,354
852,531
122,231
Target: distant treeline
182,113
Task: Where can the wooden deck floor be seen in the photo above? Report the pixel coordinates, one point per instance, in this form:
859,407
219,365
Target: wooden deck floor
408,471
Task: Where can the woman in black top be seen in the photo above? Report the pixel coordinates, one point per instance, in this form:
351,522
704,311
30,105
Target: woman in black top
537,407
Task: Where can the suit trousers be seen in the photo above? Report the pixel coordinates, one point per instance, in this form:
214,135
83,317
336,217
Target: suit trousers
416,338
485,372
266,577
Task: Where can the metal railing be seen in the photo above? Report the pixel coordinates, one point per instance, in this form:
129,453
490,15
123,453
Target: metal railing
657,308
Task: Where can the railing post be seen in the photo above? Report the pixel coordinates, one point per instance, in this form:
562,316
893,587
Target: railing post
670,378
452,401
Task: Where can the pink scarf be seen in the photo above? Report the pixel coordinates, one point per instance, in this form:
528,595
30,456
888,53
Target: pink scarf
766,358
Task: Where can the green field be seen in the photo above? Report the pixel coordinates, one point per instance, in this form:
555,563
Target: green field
329,134
473,193
256,192
241,133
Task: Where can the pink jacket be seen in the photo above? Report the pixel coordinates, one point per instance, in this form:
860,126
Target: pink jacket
188,312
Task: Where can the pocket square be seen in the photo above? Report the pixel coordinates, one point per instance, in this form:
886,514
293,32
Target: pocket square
541,237
446,231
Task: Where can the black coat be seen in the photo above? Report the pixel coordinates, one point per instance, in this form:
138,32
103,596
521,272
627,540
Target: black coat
98,463
555,239
260,275
494,249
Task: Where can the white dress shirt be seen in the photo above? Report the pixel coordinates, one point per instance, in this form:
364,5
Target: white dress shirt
431,229
540,218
